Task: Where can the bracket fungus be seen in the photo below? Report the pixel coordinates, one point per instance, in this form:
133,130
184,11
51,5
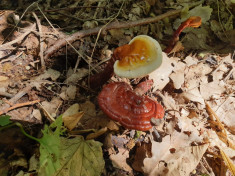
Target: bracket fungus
122,104
140,57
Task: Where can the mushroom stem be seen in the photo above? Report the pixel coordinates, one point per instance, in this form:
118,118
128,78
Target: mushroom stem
194,21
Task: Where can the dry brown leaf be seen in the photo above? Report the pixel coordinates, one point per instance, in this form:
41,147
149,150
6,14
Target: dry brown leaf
119,160
189,60
72,116
196,75
50,73
193,95
212,90
71,121
75,77
182,162
51,107
68,93
226,113
178,75
178,47
143,151
161,75
97,133
89,108
37,114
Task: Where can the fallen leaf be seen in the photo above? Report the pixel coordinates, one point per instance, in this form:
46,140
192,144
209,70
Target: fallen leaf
50,73
72,116
52,106
160,76
80,157
182,162
212,90
75,77
143,151
97,133
178,75
226,112
189,60
37,114
119,160
193,95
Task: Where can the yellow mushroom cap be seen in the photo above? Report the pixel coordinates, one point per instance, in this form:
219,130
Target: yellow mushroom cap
140,57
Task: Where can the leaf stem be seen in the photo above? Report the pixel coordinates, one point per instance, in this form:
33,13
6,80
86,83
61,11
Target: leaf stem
26,134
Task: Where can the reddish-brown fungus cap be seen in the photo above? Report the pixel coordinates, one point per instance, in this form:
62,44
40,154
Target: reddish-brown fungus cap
122,104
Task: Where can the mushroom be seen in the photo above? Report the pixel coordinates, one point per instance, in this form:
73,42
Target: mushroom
140,57
193,21
122,104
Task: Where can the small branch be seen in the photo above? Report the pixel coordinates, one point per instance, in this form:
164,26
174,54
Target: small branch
20,94
20,38
5,94
18,106
40,40
114,25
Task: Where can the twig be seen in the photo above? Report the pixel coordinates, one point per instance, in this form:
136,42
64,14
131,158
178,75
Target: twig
18,106
114,25
11,59
5,94
79,7
40,40
15,98
3,47
20,94
97,38
18,22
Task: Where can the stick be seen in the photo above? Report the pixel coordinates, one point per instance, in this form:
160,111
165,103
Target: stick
114,25
18,106
20,38
40,40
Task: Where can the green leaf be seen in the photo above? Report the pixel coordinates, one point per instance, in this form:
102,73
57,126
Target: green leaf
80,157
50,148
204,12
5,120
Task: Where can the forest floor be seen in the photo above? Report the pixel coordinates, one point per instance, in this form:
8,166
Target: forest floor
50,120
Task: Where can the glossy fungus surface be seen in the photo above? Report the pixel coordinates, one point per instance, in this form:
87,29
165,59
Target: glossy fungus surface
122,104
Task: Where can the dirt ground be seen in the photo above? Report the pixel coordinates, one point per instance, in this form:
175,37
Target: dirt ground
52,52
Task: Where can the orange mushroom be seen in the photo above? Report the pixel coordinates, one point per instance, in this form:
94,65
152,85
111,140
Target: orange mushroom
194,21
140,57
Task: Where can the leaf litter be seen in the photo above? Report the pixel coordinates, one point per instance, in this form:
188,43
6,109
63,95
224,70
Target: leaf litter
197,93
